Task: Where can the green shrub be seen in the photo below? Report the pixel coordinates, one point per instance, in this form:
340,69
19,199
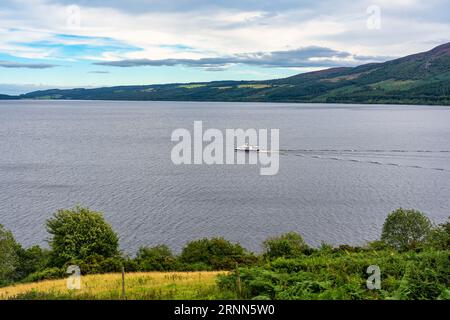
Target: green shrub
405,229
426,276
344,248
112,264
439,237
130,265
196,266
46,274
216,253
31,260
97,264
288,245
332,275
255,282
158,258
377,245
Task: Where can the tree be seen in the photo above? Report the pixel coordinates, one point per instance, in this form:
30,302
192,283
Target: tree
79,233
405,229
8,257
287,245
215,253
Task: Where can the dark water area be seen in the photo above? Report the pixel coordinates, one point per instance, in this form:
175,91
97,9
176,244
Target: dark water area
342,169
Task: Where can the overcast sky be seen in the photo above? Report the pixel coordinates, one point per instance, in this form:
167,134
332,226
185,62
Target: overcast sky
59,43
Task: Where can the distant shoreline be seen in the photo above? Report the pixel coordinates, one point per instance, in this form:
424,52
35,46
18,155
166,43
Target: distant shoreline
249,102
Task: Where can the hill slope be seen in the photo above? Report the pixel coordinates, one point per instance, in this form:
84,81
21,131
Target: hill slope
6,97
422,78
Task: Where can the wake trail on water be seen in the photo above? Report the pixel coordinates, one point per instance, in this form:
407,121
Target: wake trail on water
344,154
364,150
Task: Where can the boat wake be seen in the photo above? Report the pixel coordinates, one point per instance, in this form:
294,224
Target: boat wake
365,150
402,158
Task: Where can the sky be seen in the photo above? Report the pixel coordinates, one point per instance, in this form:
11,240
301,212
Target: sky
90,43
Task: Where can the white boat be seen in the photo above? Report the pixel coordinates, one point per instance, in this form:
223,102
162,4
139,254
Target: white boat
247,147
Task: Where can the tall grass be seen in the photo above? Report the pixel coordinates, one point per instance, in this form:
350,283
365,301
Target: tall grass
140,285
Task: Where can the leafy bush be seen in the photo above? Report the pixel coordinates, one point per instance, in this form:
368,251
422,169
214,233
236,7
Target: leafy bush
215,253
288,245
80,233
426,276
130,264
256,282
377,245
46,274
406,275
344,248
439,237
97,264
195,266
31,260
158,258
405,229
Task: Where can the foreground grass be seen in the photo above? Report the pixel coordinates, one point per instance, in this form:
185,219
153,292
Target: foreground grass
142,285
336,274
342,275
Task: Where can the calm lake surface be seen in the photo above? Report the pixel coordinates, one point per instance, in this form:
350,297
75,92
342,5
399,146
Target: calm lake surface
342,170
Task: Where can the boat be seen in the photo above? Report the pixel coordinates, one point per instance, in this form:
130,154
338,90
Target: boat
247,148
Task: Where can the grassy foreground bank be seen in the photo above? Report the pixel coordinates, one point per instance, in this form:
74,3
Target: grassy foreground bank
138,285
327,273
410,261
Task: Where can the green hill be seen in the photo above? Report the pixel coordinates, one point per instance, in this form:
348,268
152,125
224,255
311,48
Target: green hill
6,97
422,78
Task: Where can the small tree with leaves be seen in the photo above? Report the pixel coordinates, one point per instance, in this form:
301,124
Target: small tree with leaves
80,233
9,260
405,229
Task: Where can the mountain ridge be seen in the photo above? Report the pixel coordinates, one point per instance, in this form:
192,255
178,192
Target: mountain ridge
420,78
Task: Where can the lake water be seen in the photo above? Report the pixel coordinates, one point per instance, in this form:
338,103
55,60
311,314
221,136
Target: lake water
342,170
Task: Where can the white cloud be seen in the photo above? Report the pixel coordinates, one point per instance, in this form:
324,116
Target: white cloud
407,26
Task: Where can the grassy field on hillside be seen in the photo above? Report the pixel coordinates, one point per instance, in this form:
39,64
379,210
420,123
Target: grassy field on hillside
139,285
